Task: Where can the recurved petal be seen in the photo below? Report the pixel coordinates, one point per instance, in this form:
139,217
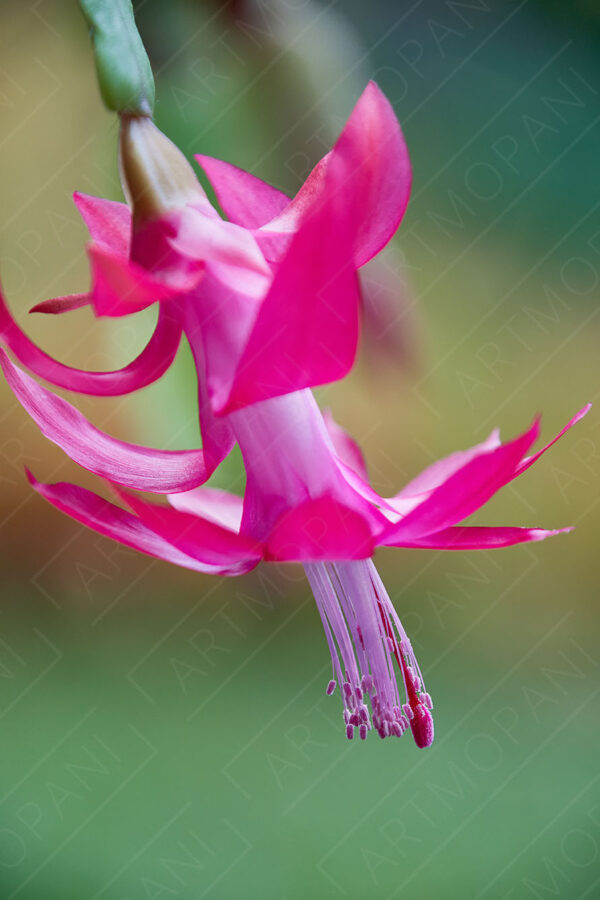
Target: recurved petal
150,364
463,492
195,536
244,198
137,467
320,529
113,522
529,460
471,537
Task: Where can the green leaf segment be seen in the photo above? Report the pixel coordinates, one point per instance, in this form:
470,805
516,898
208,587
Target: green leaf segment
123,68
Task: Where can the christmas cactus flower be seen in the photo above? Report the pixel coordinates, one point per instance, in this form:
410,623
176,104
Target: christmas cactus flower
269,302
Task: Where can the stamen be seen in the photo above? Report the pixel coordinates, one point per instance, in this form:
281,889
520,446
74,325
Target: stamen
365,636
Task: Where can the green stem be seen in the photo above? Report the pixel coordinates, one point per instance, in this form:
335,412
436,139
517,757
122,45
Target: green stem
123,68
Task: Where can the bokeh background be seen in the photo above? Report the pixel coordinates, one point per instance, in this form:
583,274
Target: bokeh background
166,735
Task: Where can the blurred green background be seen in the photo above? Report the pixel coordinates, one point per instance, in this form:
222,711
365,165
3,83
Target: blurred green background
166,735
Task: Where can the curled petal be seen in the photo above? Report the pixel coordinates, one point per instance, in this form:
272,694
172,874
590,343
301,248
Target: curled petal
152,362
195,536
529,461
113,522
141,468
244,198
470,537
464,491
321,529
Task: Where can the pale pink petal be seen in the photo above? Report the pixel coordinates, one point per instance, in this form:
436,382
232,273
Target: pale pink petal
141,468
195,536
470,537
118,524
212,239
244,198
213,504
346,447
442,469
58,305
152,362
464,491
320,529
108,222
529,460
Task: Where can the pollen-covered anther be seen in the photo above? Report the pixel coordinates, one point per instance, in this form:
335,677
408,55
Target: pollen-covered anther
330,688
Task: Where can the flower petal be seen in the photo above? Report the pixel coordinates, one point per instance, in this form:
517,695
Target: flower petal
306,330
152,362
346,447
377,185
470,537
529,461
442,469
217,506
121,287
320,529
196,536
58,305
108,222
464,491
113,522
244,198
141,468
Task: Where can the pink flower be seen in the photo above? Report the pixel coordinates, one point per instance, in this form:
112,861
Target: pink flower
269,303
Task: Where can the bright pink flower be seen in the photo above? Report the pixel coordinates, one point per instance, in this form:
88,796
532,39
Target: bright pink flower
269,303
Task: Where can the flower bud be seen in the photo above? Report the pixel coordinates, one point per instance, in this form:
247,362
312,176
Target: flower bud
157,178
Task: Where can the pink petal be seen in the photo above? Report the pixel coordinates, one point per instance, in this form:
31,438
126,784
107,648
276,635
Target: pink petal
195,536
213,504
306,330
58,305
116,523
152,362
478,538
209,238
464,491
321,529
244,198
442,469
121,287
529,461
108,222
378,176
346,447
141,468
